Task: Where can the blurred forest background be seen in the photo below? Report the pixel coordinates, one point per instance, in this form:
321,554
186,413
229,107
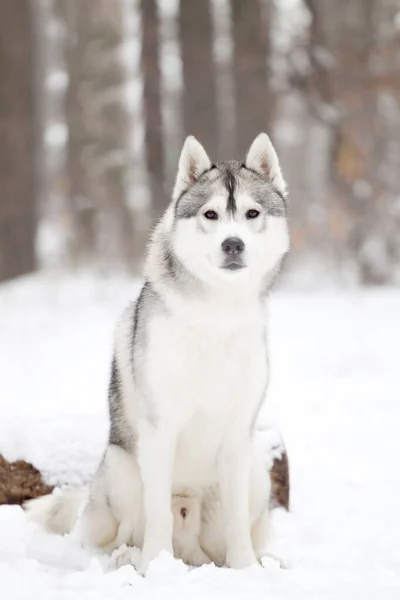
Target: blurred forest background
96,97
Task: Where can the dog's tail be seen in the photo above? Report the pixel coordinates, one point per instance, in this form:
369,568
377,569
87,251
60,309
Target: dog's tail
59,511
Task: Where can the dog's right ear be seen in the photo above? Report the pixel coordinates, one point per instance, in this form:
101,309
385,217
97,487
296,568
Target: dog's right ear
192,163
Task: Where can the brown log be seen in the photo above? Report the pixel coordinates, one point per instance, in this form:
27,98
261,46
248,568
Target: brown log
20,481
280,482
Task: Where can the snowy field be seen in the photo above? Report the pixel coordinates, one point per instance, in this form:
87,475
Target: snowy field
334,393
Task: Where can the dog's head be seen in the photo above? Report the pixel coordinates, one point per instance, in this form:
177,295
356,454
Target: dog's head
228,221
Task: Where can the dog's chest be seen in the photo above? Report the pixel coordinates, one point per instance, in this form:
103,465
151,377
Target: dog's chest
203,376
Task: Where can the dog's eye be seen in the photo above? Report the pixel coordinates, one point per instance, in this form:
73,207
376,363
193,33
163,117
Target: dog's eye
211,214
252,213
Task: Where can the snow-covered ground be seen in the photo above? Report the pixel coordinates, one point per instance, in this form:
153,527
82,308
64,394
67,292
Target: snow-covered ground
334,393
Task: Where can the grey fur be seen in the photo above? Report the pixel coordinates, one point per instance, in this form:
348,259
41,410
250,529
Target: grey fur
193,198
174,271
234,177
229,179
149,303
121,434
118,434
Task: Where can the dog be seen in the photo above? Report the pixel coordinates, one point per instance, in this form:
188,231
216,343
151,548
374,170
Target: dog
189,375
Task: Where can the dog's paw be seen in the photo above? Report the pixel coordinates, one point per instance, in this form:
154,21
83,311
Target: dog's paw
267,557
125,555
198,558
239,558
150,552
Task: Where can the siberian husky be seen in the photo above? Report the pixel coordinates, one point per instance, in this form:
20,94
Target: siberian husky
182,471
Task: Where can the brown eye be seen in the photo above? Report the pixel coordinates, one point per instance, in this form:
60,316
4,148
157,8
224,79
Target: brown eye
252,213
211,214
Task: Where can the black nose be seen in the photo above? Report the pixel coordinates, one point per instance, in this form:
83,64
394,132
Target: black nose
232,246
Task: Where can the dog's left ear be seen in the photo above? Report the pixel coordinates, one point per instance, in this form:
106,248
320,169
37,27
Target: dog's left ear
192,163
263,159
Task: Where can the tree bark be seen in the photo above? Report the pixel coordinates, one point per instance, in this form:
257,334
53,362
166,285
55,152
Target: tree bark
355,68
77,20
254,103
98,129
199,84
150,64
17,134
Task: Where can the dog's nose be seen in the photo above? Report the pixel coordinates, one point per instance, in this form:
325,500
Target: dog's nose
232,246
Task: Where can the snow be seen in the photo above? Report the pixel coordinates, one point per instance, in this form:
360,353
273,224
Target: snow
334,393
56,135
57,81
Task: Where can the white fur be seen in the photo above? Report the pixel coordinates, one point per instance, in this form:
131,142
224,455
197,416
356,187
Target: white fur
177,453
202,254
69,500
205,373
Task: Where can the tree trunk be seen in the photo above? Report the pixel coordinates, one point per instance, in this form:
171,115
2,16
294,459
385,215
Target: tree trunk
199,73
77,22
251,23
355,71
41,51
17,134
150,64
98,128
112,128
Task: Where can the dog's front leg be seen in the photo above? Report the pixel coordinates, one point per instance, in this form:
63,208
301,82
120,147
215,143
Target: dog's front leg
234,463
156,457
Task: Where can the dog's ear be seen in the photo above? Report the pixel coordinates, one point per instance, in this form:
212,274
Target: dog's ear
263,159
192,163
